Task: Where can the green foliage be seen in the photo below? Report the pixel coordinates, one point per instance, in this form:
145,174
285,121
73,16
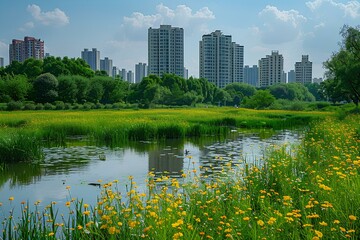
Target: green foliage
344,68
238,91
45,88
260,100
291,91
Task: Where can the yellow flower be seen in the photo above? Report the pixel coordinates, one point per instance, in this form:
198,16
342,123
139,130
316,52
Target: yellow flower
87,213
11,198
67,204
120,224
352,217
246,218
86,206
336,221
319,234
79,227
260,223
271,221
51,234
323,223
112,230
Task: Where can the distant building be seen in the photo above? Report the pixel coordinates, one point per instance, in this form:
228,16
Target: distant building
1,62
166,50
140,72
115,72
92,58
123,74
271,70
221,61
303,70
47,55
20,50
291,76
130,77
106,65
251,75
186,73
317,80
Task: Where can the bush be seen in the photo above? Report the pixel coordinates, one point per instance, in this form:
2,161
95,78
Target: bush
88,106
49,106
3,106
29,106
67,106
297,106
13,106
99,106
59,105
77,106
39,106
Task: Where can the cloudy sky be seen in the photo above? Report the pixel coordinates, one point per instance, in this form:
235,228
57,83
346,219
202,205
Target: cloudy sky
118,28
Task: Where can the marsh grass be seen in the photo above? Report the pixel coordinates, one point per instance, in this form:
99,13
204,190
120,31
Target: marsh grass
111,127
308,191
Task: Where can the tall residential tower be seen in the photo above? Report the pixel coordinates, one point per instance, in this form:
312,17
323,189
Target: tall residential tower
166,50
221,61
92,58
20,50
271,70
303,70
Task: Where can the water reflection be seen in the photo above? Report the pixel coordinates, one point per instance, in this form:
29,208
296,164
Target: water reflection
78,164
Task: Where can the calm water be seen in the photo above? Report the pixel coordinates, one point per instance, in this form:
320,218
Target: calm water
79,164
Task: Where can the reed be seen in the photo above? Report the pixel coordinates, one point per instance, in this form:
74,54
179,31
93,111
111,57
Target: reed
118,127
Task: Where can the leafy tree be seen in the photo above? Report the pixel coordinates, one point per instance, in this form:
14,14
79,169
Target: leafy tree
238,91
67,89
344,66
55,66
82,86
260,100
316,91
32,68
45,88
17,87
96,91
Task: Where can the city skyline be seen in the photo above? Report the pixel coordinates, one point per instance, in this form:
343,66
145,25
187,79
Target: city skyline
119,29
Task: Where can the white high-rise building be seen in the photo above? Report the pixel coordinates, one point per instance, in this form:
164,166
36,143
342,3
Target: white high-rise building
140,72
115,71
221,61
123,74
303,70
166,50
1,62
251,75
106,65
92,58
271,70
186,73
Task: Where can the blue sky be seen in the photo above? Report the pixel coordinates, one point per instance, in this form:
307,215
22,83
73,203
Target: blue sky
118,28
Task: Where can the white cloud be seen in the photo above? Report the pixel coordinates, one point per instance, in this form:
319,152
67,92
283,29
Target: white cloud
56,17
279,26
181,16
351,8
320,25
27,26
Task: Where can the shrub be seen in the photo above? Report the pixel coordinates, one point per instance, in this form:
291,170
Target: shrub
59,105
13,106
67,106
49,106
29,106
39,106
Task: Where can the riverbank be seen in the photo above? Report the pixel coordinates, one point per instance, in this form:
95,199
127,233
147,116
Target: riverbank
22,134
310,192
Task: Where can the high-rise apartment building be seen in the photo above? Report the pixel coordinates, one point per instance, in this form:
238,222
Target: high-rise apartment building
30,47
1,62
166,50
106,65
123,74
186,73
115,71
303,70
317,80
291,76
140,72
271,70
251,75
92,58
221,61
130,76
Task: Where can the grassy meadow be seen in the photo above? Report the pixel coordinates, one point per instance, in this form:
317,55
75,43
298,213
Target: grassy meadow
22,134
309,192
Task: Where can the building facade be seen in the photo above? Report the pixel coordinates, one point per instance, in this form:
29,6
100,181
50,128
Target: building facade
30,47
303,70
291,76
1,62
140,72
271,70
130,77
92,58
123,74
106,65
221,61
166,50
251,75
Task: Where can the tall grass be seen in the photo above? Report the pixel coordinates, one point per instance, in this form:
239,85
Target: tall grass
117,127
309,192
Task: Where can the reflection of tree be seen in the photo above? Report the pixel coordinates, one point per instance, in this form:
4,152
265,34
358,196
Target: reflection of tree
20,174
168,160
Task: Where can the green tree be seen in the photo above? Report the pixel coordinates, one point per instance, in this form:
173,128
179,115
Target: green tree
45,88
238,91
67,89
344,66
260,100
17,87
